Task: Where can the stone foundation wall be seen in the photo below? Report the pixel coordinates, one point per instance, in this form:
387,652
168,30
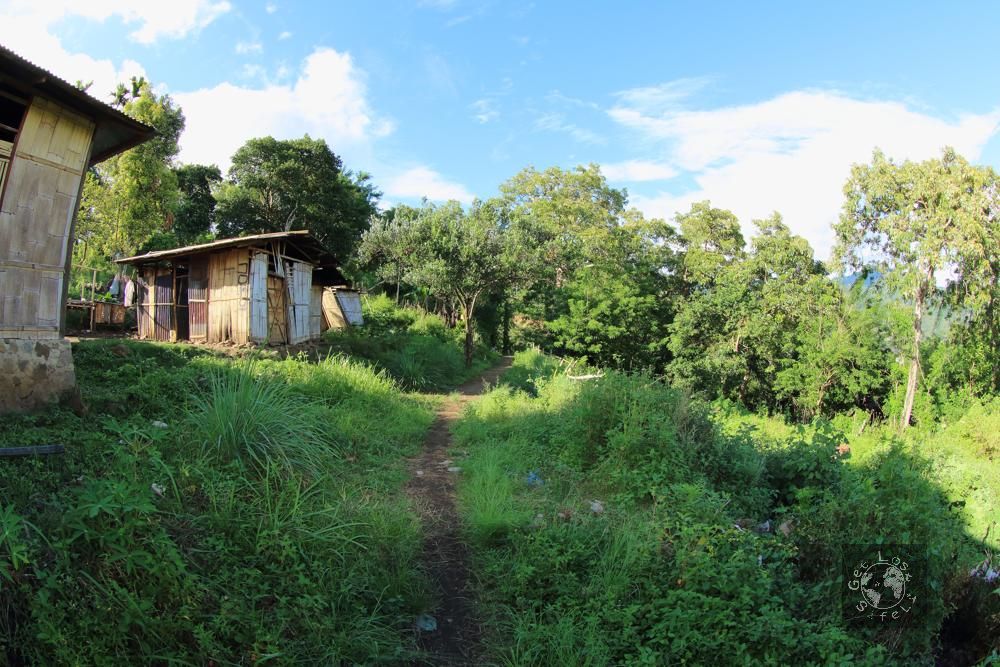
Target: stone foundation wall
34,373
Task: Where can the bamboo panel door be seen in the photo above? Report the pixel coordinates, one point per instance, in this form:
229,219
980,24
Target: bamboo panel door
198,298
299,284
259,328
163,310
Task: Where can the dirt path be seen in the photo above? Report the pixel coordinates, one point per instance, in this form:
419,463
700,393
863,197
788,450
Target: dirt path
444,554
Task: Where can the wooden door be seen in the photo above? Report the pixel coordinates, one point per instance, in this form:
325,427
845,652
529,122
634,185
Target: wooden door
276,316
198,298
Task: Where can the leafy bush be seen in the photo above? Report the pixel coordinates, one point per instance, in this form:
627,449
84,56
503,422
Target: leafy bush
615,522
414,347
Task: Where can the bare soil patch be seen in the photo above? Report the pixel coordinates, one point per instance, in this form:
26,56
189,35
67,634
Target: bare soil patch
445,555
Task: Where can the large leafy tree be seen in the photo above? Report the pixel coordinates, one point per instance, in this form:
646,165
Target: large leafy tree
605,280
736,327
195,215
276,185
386,249
129,197
711,240
619,306
916,223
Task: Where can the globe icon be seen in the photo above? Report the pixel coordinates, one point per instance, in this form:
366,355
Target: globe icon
883,585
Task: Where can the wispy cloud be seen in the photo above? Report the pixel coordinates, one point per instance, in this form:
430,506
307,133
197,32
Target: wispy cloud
661,97
244,48
484,111
425,182
270,8
284,35
556,122
458,20
790,153
635,171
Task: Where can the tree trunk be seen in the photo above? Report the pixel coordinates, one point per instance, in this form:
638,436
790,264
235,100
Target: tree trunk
505,340
469,306
911,380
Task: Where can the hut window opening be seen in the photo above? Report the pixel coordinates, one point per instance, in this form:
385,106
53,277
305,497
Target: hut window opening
12,110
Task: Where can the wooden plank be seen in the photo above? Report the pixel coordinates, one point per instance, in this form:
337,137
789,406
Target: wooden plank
333,316
277,311
315,312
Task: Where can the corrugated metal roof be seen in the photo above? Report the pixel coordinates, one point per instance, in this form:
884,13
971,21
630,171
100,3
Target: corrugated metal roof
234,242
306,242
116,132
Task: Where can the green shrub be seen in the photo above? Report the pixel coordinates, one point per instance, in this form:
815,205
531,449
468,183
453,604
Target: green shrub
414,347
710,540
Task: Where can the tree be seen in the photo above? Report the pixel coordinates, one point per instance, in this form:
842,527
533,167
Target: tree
574,211
195,214
276,185
841,355
915,223
130,196
385,246
619,306
735,329
460,255
711,239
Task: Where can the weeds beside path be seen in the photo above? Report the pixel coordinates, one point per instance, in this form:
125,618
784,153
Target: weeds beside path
444,555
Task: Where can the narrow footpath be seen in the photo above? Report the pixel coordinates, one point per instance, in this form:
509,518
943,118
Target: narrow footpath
433,476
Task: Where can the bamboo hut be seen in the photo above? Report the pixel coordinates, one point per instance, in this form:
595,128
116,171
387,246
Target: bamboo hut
278,288
50,134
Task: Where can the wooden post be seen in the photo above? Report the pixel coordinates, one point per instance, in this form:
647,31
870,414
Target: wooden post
93,286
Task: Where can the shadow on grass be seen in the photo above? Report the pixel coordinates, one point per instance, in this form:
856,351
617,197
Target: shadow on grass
704,544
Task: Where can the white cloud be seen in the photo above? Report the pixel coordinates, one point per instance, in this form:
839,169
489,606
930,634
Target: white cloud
425,182
638,170
270,8
244,48
27,31
284,35
172,20
791,153
328,100
484,111
556,122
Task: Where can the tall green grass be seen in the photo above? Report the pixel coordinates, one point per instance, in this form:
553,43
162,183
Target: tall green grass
258,421
265,523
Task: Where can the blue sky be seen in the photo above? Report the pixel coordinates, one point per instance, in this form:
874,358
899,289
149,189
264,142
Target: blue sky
755,108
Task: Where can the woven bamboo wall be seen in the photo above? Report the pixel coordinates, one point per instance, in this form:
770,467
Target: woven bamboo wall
36,219
229,296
